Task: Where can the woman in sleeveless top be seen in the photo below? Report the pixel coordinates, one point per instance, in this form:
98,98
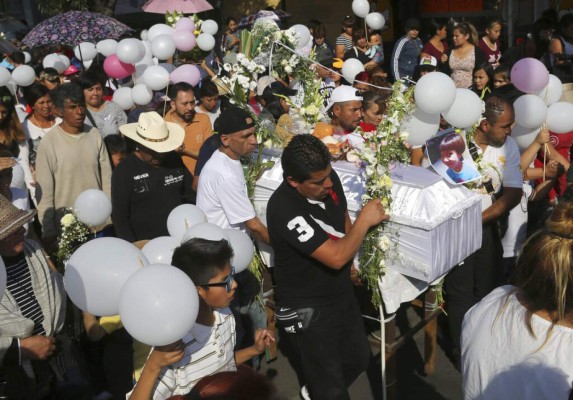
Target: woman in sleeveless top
464,56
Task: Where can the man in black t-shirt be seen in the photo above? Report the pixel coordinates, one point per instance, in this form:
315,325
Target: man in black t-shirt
314,243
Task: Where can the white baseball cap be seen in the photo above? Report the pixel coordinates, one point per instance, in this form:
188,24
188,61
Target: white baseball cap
343,93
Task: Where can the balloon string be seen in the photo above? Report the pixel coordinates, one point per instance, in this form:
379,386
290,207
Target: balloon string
165,99
140,261
331,70
544,159
271,59
186,224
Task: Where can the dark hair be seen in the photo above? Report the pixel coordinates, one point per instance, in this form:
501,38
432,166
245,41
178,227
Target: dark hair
370,97
466,28
491,22
88,79
34,92
229,20
504,69
452,142
67,91
202,259
180,87
243,384
489,71
564,22
349,21
115,144
208,88
319,31
18,57
357,34
50,74
304,155
11,132
495,107
435,25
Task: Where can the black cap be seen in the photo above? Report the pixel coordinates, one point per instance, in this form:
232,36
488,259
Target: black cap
277,88
234,119
412,23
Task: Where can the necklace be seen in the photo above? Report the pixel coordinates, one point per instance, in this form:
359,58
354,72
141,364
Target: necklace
35,122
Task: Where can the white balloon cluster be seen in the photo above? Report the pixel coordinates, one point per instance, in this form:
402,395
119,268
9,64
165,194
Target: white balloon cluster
375,20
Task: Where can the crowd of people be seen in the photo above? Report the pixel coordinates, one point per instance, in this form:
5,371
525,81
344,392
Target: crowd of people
509,304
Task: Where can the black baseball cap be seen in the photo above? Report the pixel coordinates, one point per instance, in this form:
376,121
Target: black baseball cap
234,119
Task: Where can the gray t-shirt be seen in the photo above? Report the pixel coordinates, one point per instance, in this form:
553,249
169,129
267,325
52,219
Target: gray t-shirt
108,119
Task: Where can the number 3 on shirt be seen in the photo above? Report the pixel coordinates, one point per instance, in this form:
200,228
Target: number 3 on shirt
302,227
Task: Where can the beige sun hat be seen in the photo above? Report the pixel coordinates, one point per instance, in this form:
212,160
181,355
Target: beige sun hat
12,218
154,133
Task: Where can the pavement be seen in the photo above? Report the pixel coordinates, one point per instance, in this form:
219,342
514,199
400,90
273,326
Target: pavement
443,383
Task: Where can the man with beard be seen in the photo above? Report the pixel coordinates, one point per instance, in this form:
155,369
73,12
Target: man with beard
71,158
345,110
501,188
197,126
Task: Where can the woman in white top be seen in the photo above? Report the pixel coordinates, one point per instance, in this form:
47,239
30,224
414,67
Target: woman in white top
517,342
106,116
36,125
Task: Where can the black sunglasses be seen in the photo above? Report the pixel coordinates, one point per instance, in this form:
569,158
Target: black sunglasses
227,283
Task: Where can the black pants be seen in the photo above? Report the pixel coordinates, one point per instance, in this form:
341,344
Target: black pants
472,280
334,350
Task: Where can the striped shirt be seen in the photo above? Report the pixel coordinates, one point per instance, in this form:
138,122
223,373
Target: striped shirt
344,41
208,350
19,284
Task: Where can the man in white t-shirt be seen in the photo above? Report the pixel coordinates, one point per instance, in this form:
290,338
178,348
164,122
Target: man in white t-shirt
222,191
501,190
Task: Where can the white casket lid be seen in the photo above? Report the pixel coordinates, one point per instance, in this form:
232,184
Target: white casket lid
421,198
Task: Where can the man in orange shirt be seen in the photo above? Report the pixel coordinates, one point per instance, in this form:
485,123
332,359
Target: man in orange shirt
197,126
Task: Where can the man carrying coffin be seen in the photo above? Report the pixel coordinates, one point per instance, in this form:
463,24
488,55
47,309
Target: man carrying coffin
497,155
314,243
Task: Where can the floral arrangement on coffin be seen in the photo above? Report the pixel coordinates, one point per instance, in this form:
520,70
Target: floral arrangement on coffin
383,148
74,233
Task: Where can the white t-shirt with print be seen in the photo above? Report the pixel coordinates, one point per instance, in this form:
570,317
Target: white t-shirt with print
222,193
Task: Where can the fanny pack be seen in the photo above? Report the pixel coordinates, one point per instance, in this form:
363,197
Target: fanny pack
294,320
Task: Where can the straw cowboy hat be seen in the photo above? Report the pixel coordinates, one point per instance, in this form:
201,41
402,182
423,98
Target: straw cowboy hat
154,133
12,218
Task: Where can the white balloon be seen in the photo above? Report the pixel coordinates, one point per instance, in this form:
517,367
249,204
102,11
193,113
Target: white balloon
182,218
138,74
54,61
23,75
435,93
466,109
5,76
27,57
87,64
209,26
375,21
159,29
130,50
123,98
158,305
360,8
302,35
2,278
107,47
420,126
559,117
144,34
524,136
553,92
97,272
65,60
351,68
243,249
93,207
530,111
155,77
160,250
205,230
85,51
141,94
163,47
205,42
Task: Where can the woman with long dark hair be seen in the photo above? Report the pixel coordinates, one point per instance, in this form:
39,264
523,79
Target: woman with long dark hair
464,56
437,46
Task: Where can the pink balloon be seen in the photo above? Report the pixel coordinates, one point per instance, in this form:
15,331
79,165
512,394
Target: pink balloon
185,24
529,75
117,69
184,40
186,73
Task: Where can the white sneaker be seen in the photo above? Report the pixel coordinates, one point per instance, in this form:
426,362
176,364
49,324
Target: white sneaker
304,393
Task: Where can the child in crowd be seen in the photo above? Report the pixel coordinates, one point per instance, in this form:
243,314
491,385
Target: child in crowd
209,100
452,148
376,50
483,80
208,348
427,64
117,148
501,76
323,49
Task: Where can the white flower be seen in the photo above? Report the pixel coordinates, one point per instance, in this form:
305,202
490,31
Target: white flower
68,219
369,170
311,110
252,85
288,69
384,243
227,67
404,135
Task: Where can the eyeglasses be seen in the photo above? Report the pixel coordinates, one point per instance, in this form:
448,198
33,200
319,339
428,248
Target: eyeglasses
227,283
